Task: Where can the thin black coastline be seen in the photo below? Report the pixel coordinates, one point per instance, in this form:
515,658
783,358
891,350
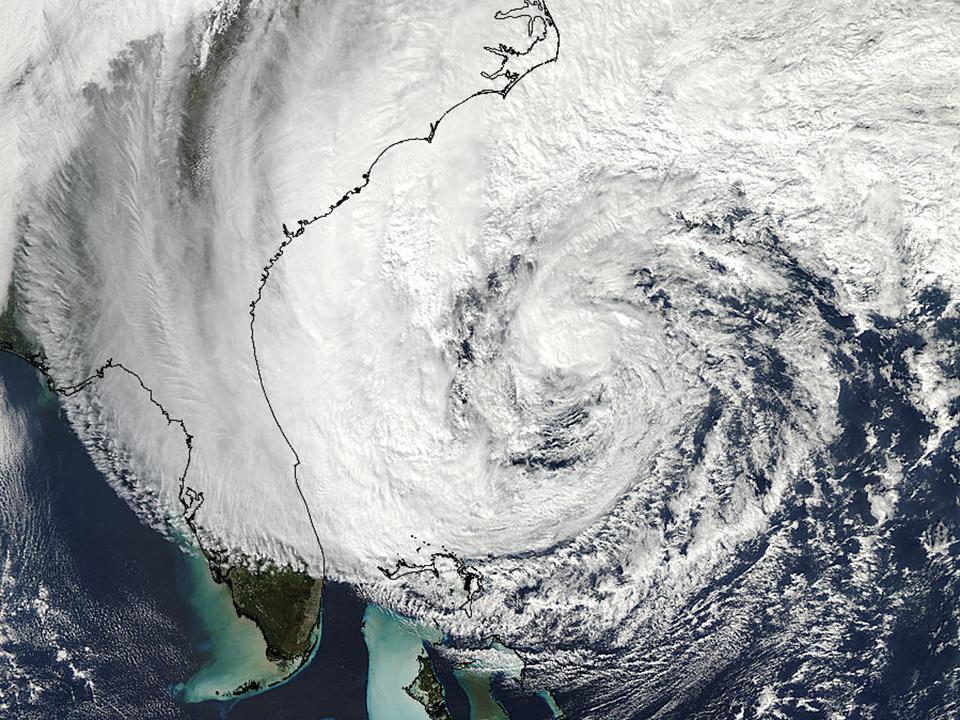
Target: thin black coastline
290,235
13,342
191,500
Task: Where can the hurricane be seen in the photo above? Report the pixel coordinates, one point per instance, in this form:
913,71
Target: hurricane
625,336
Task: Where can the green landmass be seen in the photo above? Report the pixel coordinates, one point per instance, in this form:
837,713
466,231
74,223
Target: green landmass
11,336
283,602
249,686
202,86
427,690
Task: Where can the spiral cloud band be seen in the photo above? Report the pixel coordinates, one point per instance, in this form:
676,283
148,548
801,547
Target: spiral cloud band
655,344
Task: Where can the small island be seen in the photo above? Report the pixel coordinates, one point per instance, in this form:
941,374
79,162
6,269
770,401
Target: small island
427,690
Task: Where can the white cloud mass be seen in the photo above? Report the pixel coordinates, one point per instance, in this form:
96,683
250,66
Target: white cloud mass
595,338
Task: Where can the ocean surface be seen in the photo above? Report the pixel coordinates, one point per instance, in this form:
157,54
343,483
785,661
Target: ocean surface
102,617
98,613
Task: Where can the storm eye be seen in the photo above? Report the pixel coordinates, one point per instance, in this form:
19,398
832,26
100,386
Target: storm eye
626,368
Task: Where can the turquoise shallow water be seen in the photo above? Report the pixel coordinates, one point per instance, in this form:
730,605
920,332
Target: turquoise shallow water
234,649
393,645
332,684
146,623
140,619
112,636
480,696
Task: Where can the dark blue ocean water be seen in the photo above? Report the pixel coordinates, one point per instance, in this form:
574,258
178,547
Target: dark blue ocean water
96,619
117,598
